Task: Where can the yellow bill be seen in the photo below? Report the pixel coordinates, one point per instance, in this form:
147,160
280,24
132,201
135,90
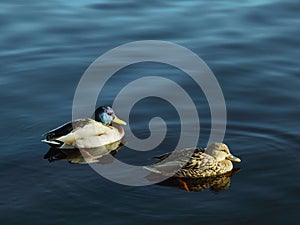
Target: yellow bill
233,158
117,120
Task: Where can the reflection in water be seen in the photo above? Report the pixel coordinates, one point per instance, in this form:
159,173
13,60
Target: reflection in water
216,183
84,156
100,155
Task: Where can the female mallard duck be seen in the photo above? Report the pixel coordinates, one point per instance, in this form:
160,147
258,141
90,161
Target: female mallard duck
88,133
203,162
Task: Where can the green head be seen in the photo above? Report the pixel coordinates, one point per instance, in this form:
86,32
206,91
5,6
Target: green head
106,115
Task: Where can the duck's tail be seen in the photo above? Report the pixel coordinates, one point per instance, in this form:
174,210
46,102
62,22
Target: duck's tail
53,143
152,169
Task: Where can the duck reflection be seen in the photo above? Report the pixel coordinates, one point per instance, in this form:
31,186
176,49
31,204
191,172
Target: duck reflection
217,183
84,156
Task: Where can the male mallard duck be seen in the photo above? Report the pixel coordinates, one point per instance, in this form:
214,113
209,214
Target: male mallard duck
204,162
88,133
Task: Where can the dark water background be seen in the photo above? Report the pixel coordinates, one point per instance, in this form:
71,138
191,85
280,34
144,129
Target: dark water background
252,48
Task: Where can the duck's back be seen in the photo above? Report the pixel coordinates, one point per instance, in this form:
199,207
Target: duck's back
191,164
200,164
67,128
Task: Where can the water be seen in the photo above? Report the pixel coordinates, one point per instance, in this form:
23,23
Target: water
251,46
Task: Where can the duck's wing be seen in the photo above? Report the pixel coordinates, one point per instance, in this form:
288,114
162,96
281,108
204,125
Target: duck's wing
200,161
52,137
66,128
59,131
89,135
180,154
176,160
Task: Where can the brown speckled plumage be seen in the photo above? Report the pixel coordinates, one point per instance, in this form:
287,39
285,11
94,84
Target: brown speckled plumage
195,162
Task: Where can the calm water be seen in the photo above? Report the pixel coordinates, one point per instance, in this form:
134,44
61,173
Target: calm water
252,48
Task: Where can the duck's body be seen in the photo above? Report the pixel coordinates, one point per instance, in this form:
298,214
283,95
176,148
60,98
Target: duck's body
195,162
86,133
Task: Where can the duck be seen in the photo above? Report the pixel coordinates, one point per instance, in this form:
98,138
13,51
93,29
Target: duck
212,161
87,133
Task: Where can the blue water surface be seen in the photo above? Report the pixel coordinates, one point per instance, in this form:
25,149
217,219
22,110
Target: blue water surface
251,46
